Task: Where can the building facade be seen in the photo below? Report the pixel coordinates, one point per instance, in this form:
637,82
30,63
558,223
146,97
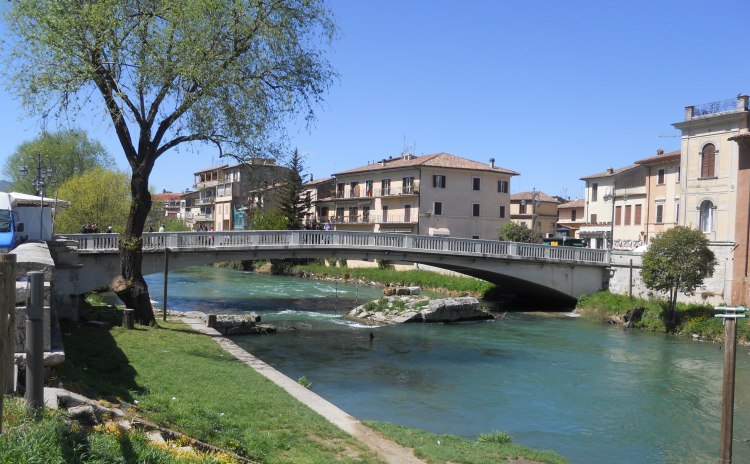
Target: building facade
438,194
570,217
662,192
536,210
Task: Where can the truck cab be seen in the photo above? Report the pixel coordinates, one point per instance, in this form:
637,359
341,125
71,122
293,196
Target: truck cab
11,230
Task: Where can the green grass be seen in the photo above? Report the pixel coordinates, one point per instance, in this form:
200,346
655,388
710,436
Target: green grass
691,318
425,279
52,439
437,448
187,382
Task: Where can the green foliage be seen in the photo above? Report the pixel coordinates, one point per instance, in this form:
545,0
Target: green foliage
342,262
384,264
98,196
436,448
68,153
512,232
175,225
268,220
292,203
678,260
499,438
305,382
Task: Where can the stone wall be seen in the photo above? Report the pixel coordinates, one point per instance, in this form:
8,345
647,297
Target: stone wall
626,264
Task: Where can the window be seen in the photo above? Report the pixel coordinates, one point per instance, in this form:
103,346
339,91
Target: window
385,213
593,219
365,214
407,213
340,190
594,191
627,214
637,217
502,211
475,183
502,186
475,237
618,213
707,216
708,160
676,211
437,208
678,174
353,189
340,214
385,187
407,183
368,188
475,210
522,208
660,176
438,181
353,213
660,213
573,215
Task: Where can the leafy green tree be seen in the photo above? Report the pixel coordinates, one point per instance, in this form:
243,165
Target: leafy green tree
175,225
677,260
273,219
222,72
97,196
292,203
68,153
512,232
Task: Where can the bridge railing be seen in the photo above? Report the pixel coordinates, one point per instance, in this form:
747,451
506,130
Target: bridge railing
154,241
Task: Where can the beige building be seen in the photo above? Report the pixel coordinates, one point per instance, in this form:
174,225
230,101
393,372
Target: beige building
536,210
438,194
662,191
614,208
570,217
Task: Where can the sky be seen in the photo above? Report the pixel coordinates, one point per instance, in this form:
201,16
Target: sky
552,90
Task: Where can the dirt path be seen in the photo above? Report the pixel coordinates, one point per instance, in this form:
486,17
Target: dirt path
389,450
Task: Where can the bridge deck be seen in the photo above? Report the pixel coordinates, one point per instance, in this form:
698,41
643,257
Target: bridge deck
304,239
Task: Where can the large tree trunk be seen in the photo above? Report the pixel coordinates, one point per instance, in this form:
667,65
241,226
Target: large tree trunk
131,286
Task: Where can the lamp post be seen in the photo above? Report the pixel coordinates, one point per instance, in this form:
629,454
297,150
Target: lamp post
42,173
534,204
730,316
611,197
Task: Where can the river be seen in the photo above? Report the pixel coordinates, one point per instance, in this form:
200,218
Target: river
592,393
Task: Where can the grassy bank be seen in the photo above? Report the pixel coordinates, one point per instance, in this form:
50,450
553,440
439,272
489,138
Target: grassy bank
432,281
691,318
184,381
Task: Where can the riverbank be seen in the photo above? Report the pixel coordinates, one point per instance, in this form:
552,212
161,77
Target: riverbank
693,320
184,381
429,281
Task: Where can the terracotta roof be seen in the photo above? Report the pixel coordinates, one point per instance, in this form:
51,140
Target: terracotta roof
572,204
610,174
314,182
168,196
541,196
663,158
223,166
440,160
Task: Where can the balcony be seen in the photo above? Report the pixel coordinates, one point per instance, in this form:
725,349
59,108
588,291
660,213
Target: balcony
203,217
397,191
205,201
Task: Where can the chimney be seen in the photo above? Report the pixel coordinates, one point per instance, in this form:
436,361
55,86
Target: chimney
742,102
492,163
382,162
659,152
610,170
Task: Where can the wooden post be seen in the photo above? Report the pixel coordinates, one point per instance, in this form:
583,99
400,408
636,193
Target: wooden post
727,392
128,319
7,321
166,283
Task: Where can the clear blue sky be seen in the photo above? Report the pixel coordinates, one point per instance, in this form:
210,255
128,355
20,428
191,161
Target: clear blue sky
554,90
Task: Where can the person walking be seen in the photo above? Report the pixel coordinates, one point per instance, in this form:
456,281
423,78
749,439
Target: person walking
161,228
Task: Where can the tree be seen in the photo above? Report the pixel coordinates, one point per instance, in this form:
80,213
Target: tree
677,260
292,203
97,196
68,153
512,232
273,219
221,72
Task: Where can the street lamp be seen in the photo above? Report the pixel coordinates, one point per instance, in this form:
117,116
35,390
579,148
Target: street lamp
42,173
534,204
611,197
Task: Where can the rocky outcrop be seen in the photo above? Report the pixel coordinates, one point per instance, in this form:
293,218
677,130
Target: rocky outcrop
405,309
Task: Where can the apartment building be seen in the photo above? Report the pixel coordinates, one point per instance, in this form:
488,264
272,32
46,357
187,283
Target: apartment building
535,209
169,202
662,191
715,187
614,204
225,192
437,194
570,217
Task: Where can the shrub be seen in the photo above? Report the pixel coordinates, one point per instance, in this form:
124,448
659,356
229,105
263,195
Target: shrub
498,438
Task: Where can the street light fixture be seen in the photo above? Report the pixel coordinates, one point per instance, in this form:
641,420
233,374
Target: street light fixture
39,181
611,197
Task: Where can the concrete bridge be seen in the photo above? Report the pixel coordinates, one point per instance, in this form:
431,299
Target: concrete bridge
91,261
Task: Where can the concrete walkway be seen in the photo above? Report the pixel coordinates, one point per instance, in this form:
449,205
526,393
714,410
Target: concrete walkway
388,450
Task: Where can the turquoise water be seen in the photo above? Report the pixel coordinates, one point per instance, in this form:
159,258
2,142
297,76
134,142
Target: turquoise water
593,393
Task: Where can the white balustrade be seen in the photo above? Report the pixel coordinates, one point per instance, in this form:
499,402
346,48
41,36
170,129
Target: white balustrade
176,241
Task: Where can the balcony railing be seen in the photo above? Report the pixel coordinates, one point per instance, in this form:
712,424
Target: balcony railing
205,201
392,218
715,107
397,191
